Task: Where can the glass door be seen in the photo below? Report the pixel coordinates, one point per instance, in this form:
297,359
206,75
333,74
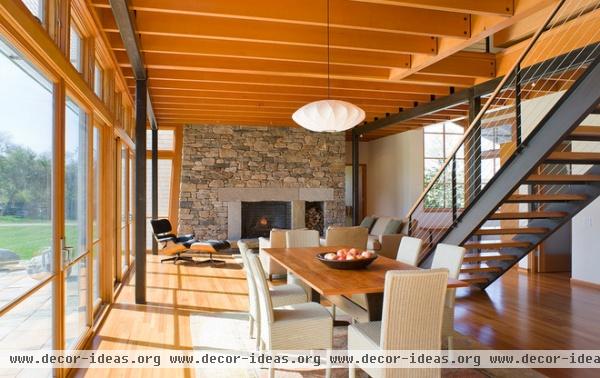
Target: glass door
76,246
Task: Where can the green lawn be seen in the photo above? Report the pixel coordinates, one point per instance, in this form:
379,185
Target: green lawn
28,240
13,219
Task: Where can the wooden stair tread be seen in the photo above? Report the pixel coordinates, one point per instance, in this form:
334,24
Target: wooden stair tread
496,245
516,198
487,256
474,280
566,157
589,133
528,215
562,179
481,269
511,231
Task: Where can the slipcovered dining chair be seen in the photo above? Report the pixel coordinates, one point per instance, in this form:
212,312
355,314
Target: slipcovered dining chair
409,250
302,326
276,240
280,295
354,237
410,320
449,257
299,239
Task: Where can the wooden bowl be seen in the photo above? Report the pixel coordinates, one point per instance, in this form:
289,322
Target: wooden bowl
346,265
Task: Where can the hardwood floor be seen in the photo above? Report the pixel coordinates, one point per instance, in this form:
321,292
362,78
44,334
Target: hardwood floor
173,293
519,311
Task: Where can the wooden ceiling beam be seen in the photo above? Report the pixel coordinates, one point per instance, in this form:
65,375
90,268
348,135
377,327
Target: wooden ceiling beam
293,81
297,100
465,64
486,7
344,14
238,49
435,79
277,33
482,26
261,66
195,88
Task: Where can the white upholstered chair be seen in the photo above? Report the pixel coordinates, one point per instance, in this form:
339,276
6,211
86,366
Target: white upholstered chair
280,295
276,240
299,239
409,250
410,320
306,326
354,237
449,257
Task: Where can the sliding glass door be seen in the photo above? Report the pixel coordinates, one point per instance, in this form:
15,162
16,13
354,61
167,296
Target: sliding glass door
75,246
27,272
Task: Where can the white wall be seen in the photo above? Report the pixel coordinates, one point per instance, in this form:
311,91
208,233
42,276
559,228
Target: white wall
394,173
585,226
585,262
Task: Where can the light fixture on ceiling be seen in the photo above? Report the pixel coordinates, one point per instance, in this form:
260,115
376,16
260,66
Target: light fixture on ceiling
328,115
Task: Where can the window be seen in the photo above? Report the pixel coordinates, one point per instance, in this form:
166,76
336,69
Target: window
25,175
26,239
36,7
439,142
98,78
75,48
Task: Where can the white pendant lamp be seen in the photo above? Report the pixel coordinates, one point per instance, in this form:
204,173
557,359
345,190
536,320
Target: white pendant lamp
328,115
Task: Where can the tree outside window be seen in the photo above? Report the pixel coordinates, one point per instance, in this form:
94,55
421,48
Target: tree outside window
440,140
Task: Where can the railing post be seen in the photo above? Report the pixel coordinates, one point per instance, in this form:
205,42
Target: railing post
472,150
518,104
454,197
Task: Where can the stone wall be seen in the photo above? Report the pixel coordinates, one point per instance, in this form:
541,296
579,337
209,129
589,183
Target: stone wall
217,157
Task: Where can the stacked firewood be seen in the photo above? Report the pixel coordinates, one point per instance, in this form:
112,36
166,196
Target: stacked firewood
314,219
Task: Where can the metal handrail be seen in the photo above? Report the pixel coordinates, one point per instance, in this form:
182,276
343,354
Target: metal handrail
484,109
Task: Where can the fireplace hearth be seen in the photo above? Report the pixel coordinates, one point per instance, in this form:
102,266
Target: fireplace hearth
259,218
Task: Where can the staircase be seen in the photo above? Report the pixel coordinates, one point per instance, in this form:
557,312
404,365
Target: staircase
544,178
486,260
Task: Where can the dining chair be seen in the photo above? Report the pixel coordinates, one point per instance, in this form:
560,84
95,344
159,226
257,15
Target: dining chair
299,239
276,240
301,326
281,295
353,237
449,257
409,250
410,320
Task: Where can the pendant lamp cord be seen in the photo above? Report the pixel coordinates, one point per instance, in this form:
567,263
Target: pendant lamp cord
328,56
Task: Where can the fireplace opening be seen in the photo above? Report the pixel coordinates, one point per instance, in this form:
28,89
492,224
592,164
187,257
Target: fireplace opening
259,218
314,216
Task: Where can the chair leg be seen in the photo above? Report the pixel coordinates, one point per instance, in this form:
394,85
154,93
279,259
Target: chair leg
328,365
352,370
251,326
333,312
210,260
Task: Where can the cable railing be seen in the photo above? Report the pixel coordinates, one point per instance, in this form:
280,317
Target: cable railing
509,116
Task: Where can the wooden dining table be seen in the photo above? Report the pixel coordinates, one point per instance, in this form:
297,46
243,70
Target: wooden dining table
336,283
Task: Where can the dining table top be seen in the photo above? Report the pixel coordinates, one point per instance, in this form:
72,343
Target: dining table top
328,281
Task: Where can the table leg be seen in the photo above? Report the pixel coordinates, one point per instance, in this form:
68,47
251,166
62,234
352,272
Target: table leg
375,306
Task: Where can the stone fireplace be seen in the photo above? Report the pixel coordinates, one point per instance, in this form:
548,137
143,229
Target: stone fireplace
226,167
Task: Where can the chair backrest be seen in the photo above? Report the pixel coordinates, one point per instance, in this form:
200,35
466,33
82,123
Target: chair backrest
277,238
409,250
252,294
413,307
355,237
449,257
265,304
302,238
160,226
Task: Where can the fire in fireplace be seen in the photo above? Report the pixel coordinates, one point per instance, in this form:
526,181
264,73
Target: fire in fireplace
258,218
